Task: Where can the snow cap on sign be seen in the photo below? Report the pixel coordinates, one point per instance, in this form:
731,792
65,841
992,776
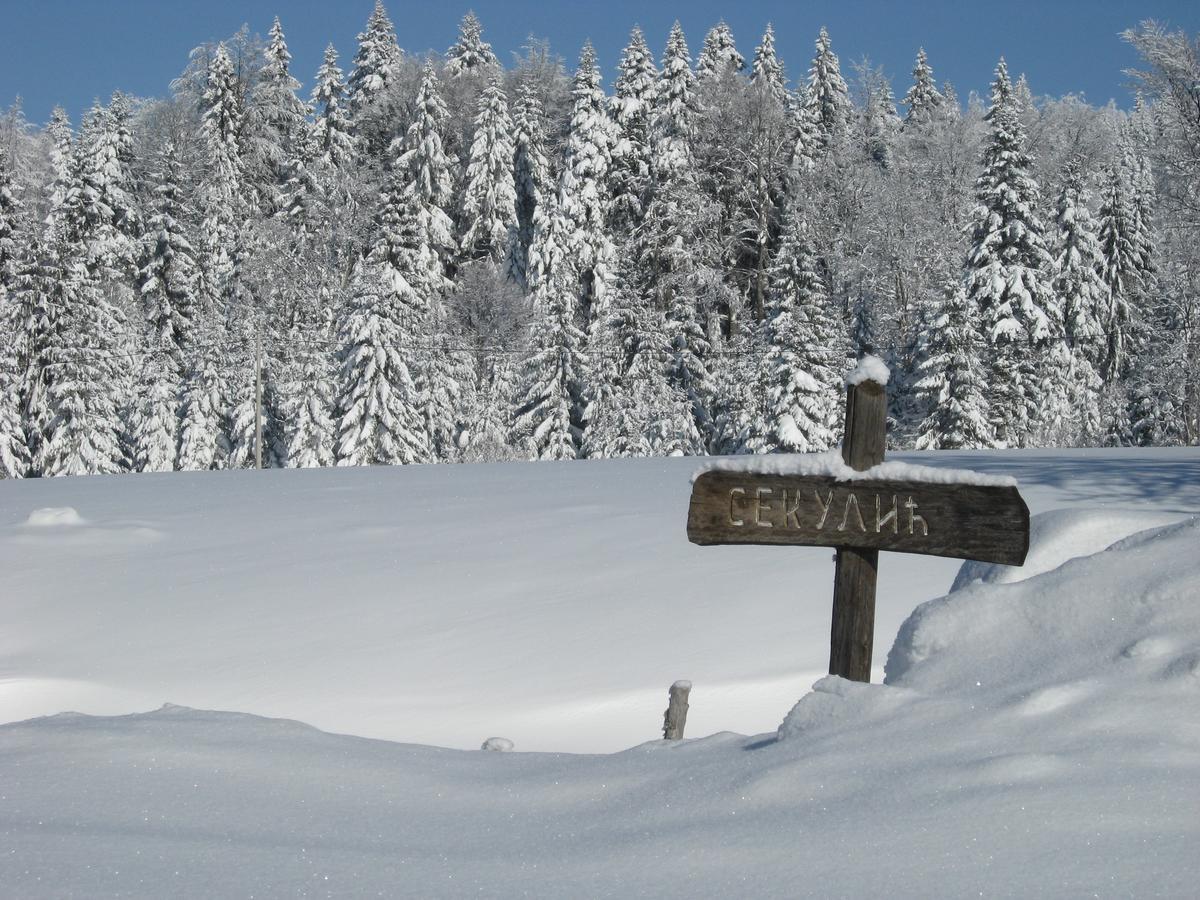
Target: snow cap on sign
869,368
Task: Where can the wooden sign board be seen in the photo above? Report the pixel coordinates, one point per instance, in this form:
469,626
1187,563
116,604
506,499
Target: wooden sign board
966,521
860,517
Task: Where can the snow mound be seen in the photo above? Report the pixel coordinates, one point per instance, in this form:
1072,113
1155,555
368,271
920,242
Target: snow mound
1075,625
497,745
831,465
869,368
54,517
1062,534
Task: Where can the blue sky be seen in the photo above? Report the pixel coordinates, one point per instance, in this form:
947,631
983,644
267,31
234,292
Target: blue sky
70,51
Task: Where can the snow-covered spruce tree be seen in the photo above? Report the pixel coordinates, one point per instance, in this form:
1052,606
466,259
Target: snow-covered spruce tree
378,411
1006,268
222,193
804,138
531,177
546,405
645,414
61,152
881,124
156,422
470,55
924,101
376,69
14,449
309,426
1119,269
103,210
203,443
583,191
1077,260
426,170
489,216
331,138
274,126
766,73
11,215
84,396
719,56
167,277
950,379
828,96
675,110
632,113
803,353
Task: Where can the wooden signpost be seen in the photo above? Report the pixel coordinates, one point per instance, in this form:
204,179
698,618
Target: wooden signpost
860,517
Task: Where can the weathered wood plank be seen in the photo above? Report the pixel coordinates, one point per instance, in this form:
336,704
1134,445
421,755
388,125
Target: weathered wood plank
965,521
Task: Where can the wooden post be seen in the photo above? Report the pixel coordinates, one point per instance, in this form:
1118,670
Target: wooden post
258,426
675,718
852,634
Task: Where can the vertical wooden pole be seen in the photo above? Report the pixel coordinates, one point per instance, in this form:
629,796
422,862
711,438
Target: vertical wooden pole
852,636
675,718
258,429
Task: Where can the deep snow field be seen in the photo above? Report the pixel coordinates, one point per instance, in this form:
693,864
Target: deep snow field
1038,731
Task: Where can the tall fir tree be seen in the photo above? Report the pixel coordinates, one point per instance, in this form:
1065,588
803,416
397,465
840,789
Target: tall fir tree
803,353
951,379
1120,271
1006,267
223,190
471,54
719,56
766,73
828,96
331,137
167,277
547,414
274,126
531,178
489,214
632,113
378,410
924,101
427,168
372,80
584,188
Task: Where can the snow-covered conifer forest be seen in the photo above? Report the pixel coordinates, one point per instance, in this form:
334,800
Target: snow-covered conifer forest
419,259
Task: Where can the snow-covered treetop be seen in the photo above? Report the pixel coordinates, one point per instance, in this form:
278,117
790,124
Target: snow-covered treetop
470,52
719,54
767,72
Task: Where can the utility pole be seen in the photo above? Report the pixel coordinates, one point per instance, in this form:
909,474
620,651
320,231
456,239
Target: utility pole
257,399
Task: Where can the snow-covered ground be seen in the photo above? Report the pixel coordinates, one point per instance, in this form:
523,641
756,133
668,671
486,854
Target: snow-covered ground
1039,733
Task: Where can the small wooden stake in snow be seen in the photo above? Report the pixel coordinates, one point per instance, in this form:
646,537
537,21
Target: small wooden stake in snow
675,718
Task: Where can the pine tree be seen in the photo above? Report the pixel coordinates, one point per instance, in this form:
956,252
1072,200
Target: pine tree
632,114
155,425
951,379
14,449
222,193
583,192
11,214
376,69
61,140
1006,265
1077,261
803,353
828,96
766,73
489,197
378,408
427,170
470,54
719,55
203,443
531,176
546,416
274,125
675,110
167,278
882,124
1119,270
924,101
331,137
